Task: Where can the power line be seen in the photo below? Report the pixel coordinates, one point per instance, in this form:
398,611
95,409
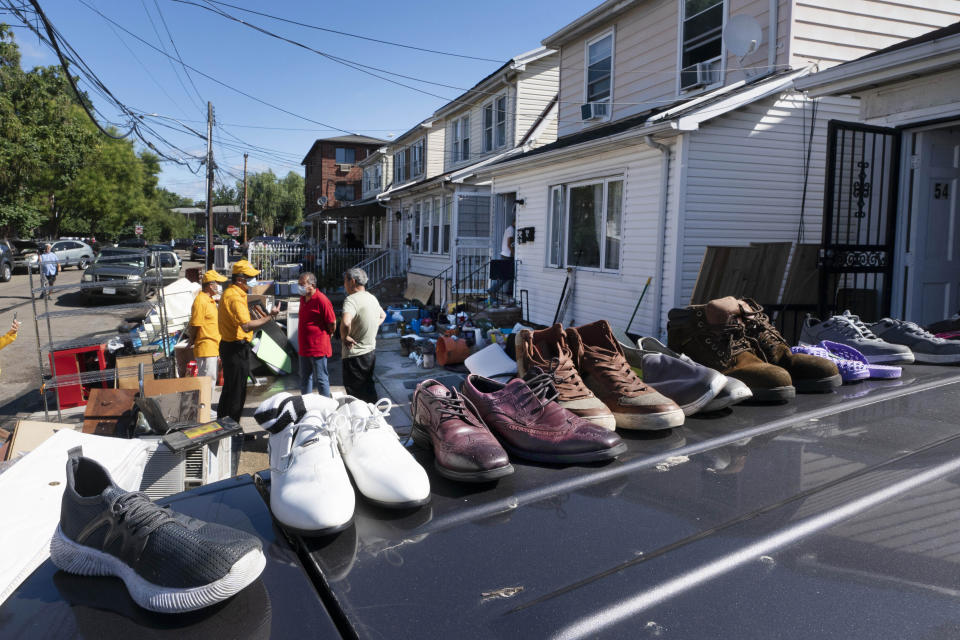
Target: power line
354,35
169,61
211,78
176,50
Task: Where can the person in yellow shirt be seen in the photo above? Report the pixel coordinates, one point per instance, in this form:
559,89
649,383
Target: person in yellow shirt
10,335
236,332
204,330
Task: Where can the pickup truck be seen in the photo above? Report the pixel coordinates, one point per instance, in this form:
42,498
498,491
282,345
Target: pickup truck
834,516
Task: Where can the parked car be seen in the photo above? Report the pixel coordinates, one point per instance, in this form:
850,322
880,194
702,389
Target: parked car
73,253
198,251
268,240
170,265
125,273
25,253
138,243
6,262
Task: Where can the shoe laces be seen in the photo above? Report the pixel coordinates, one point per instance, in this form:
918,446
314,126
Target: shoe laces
730,340
565,379
454,406
615,368
758,324
917,330
379,411
140,513
852,326
328,428
544,384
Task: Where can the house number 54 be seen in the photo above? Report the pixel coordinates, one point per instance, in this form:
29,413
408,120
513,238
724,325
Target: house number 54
941,190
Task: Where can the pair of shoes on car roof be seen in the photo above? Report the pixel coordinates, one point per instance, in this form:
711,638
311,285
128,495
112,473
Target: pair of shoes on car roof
317,444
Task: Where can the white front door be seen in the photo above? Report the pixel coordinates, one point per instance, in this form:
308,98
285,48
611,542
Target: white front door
471,249
935,236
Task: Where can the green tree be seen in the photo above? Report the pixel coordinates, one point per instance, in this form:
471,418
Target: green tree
264,199
293,201
224,195
45,139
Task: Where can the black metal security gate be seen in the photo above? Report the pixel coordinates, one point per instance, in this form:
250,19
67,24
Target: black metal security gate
859,219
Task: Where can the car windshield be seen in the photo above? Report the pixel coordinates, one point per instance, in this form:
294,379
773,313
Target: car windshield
112,256
25,245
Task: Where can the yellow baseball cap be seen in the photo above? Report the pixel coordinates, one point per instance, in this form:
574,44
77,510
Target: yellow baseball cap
213,276
244,268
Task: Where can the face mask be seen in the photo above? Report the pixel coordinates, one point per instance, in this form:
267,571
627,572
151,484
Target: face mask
217,290
302,289
252,282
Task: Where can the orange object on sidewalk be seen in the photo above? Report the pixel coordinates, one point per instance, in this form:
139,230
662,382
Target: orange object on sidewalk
451,350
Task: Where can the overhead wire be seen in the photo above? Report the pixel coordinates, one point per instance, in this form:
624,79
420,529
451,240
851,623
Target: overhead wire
173,67
211,78
176,50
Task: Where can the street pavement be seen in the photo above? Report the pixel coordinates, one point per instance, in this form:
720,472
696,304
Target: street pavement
19,363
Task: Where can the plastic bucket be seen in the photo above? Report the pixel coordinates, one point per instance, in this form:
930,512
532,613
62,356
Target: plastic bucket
451,350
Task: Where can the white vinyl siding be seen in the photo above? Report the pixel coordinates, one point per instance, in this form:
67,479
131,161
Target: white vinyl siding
830,32
596,294
755,194
536,88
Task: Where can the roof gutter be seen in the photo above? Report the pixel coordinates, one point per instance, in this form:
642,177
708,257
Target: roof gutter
918,60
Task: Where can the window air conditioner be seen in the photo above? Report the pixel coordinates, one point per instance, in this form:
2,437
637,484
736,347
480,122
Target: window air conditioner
708,72
593,111
168,472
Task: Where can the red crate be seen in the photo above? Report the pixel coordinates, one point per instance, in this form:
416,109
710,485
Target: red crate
75,361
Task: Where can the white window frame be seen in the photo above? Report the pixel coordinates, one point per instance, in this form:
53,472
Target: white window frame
455,140
487,127
586,66
426,212
464,137
497,123
418,158
723,52
436,222
565,239
398,166
560,221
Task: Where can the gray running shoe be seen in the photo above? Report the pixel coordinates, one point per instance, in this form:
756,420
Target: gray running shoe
169,562
690,385
849,330
926,347
732,392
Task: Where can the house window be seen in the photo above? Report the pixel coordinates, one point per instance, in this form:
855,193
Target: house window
344,193
599,65
435,227
702,51
425,227
501,121
416,158
460,149
555,250
594,221
447,213
488,127
372,177
346,156
399,167
416,228
372,231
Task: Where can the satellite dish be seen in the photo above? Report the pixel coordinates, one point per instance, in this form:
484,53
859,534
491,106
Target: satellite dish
322,200
742,35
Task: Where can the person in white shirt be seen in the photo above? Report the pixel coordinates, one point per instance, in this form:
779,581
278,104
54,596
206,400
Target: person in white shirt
506,253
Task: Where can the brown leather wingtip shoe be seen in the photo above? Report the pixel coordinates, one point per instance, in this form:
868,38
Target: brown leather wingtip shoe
463,447
537,428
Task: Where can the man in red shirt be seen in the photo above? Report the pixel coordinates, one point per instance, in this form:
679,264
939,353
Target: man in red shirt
317,322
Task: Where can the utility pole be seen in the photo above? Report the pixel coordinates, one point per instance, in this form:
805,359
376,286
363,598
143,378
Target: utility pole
208,257
244,223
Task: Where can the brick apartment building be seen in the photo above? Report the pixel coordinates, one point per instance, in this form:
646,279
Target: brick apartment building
331,170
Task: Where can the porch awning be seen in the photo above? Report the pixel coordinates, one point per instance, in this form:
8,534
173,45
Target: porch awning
365,209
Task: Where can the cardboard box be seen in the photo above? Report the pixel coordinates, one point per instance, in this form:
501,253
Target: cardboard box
153,388
127,376
30,434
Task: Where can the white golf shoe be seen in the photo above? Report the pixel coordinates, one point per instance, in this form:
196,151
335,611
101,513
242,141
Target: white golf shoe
384,471
310,490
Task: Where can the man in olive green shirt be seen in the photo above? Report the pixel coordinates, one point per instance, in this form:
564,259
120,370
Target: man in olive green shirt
362,317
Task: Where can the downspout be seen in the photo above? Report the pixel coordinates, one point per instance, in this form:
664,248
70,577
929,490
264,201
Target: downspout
661,227
772,35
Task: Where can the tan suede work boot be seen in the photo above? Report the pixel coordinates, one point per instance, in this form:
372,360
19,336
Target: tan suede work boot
810,374
713,334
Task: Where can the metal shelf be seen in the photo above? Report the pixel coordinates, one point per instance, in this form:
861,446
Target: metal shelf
107,375
85,311
93,285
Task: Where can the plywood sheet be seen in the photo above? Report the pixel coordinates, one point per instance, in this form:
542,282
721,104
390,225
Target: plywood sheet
30,434
418,288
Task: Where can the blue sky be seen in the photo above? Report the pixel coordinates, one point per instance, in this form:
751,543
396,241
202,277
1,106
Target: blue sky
285,75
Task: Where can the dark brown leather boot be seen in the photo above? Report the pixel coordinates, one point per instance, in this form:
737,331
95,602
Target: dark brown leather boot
810,374
713,334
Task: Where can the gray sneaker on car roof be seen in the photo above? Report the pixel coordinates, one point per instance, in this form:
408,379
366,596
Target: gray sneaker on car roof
926,347
848,329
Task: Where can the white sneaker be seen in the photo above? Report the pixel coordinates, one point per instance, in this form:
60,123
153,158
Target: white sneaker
309,487
384,471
